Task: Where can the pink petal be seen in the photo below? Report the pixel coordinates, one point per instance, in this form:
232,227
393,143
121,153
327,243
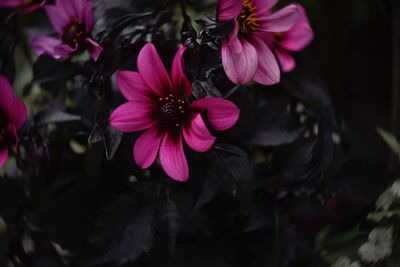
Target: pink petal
197,135
229,9
94,48
11,105
63,50
3,156
279,21
179,81
19,112
68,6
88,15
300,35
221,113
153,71
45,45
11,3
263,7
33,7
172,158
6,94
146,147
286,60
268,69
48,45
58,17
133,116
133,87
239,59
79,7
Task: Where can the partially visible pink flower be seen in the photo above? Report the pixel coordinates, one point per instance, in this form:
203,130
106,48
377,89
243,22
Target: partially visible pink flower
293,40
13,115
160,106
73,21
24,6
245,53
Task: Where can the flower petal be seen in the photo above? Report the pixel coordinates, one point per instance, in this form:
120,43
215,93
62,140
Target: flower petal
197,136
279,21
286,60
263,7
132,116
239,59
58,17
228,9
221,113
11,3
179,81
88,15
63,50
94,48
300,35
147,146
3,156
268,69
172,157
153,71
132,86
48,45
19,112
68,6
6,94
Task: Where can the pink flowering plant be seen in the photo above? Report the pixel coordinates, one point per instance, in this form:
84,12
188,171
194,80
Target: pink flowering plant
186,133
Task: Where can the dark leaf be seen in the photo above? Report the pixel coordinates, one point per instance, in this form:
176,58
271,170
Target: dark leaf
46,69
125,230
54,116
103,131
273,127
202,89
234,172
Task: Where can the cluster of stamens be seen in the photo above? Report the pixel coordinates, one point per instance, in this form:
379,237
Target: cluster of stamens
247,18
172,110
74,33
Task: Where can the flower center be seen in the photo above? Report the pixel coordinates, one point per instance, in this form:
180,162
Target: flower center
172,110
247,18
74,33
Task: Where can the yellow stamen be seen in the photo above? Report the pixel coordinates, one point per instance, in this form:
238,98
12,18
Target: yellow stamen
247,18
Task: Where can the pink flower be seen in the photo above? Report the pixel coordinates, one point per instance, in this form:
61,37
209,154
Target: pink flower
73,21
160,106
13,115
293,40
245,53
25,6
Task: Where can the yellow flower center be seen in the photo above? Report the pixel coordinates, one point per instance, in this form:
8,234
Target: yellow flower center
247,18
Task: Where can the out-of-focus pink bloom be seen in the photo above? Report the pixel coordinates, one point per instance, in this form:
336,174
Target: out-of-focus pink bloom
73,21
293,40
245,53
23,6
13,115
160,106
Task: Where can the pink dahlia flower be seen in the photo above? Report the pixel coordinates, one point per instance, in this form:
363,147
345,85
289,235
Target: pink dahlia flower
13,115
293,40
73,21
245,53
160,106
25,6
